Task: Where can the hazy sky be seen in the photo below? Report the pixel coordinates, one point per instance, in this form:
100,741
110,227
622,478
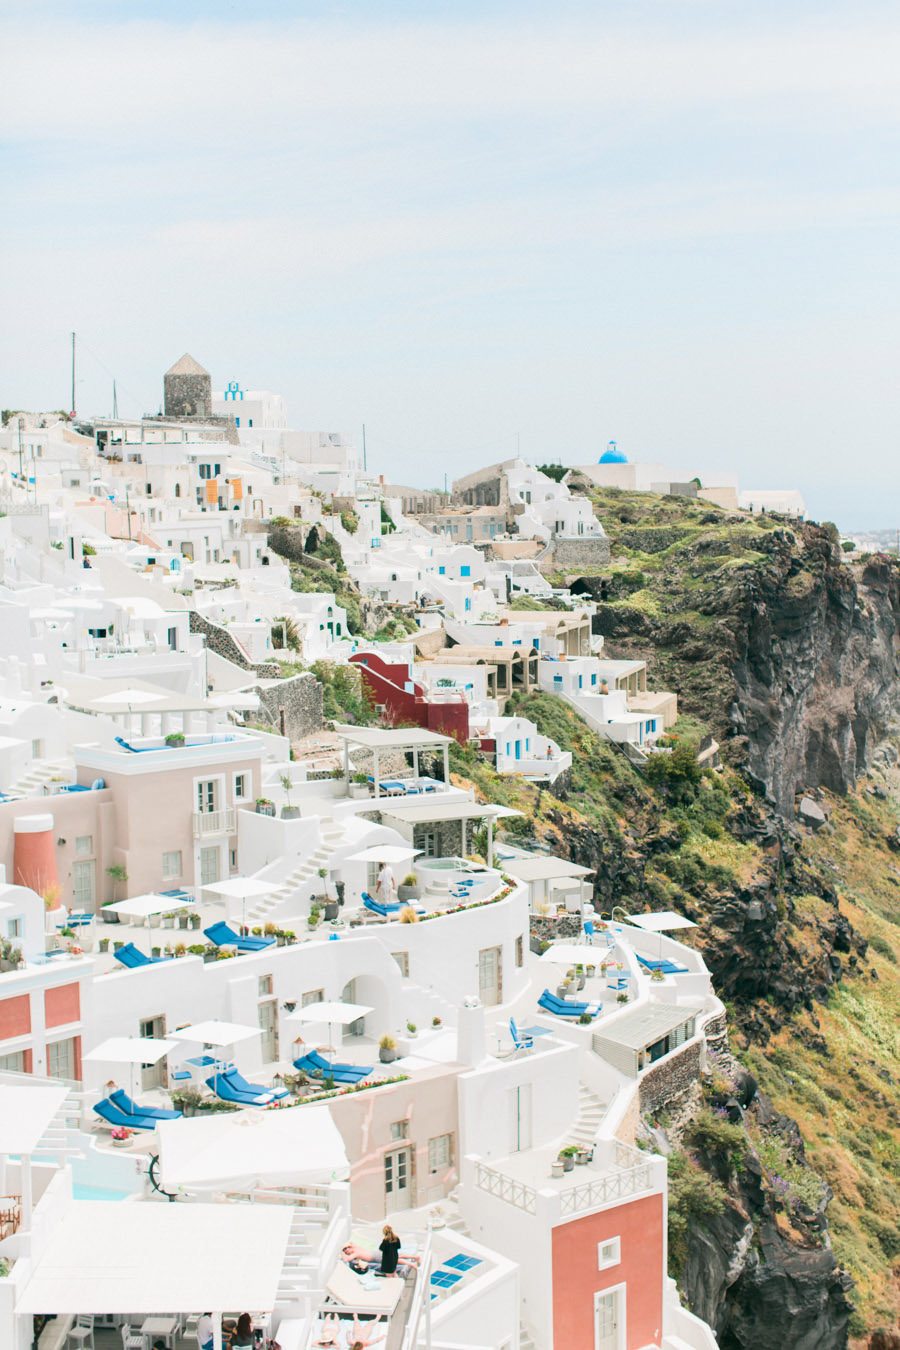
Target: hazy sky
672,224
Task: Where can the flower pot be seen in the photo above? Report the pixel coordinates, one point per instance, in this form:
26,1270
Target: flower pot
121,1143
407,892
332,910
290,813
387,1056
568,1164
556,1169
563,989
581,979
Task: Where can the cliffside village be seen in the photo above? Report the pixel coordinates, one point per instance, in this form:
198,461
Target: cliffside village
271,985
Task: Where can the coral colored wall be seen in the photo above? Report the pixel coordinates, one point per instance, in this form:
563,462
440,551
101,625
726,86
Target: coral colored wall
35,860
639,1226
62,1005
385,681
15,1017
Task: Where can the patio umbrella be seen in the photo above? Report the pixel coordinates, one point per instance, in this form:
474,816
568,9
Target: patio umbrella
568,954
663,921
243,889
130,1050
134,695
333,1013
387,853
249,1148
215,1032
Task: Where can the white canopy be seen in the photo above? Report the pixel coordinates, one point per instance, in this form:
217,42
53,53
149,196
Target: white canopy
215,1032
142,906
387,853
25,1114
341,1014
103,1256
130,1050
572,954
131,695
297,1146
242,888
665,921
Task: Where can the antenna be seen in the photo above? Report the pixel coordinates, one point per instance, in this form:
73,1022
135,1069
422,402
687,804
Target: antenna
115,411
72,404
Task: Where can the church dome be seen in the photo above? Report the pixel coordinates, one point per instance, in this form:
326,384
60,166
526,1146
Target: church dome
612,455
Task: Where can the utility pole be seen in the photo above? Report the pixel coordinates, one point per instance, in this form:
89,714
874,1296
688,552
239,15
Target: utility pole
115,411
365,465
72,405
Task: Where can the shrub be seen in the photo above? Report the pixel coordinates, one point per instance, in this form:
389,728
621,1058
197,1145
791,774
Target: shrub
694,1197
408,915
719,1139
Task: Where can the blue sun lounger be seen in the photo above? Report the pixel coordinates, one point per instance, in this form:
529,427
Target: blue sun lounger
122,1119
563,1008
238,1081
315,1064
222,936
220,1086
128,1107
667,967
132,958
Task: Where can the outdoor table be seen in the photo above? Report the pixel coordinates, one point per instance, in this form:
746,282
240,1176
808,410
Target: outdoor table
159,1328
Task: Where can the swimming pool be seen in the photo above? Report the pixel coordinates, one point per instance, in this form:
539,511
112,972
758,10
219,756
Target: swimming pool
82,1191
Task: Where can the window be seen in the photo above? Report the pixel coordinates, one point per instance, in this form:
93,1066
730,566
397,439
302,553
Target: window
37,749
312,996
465,570
430,843
13,1063
264,986
14,928
241,787
84,845
206,796
609,1253
440,1152
399,1130
61,1059
402,959
520,950
172,864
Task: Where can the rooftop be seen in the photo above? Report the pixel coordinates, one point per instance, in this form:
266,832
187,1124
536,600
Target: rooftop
638,1027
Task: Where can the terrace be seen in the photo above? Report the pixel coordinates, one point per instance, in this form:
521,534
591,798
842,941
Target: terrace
526,1181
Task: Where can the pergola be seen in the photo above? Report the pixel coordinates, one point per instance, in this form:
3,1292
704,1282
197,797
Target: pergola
379,740
147,1260
423,813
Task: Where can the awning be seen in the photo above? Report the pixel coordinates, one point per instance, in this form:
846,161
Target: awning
297,1146
102,1256
545,869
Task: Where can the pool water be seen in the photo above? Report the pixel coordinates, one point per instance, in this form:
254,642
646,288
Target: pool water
81,1191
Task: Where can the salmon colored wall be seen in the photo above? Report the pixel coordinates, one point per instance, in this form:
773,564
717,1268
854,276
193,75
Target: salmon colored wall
15,1017
576,1278
28,1059
62,1005
35,860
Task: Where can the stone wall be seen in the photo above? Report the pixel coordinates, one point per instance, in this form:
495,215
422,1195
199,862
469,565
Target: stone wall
562,553
671,1078
188,394
220,641
294,705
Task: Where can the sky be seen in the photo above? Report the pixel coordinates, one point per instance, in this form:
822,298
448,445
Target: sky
478,228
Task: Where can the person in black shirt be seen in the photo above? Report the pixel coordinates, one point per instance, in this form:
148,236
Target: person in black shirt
390,1250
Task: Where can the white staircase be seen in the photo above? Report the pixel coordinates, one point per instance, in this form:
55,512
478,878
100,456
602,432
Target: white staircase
526,1340
39,775
590,1114
294,1279
331,837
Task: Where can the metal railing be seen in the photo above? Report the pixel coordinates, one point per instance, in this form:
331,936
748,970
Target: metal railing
214,822
506,1188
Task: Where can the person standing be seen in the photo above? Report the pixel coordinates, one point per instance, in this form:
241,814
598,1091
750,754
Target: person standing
386,885
390,1250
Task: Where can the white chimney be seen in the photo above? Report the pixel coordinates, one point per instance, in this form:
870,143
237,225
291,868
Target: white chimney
471,1039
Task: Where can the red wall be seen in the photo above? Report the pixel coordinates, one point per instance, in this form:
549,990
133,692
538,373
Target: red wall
385,681
62,1005
639,1226
15,1017
35,860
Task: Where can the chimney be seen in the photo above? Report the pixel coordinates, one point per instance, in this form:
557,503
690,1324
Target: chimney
470,1037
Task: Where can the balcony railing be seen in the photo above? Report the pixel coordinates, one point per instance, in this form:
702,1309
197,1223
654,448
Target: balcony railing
609,1186
213,822
506,1188
630,1174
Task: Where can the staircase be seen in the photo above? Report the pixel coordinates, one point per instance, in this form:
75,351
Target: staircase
590,1115
331,838
294,1280
40,774
526,1340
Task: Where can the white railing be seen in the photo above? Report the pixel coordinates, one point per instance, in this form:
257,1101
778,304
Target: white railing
506,1188
213,822
610,1186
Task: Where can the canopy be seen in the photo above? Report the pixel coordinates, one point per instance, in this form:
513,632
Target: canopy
571,954
215,1032
296,1146
242,888
665,921
130,1050
388,853
25,1115
103,1256
142,906
130,696
341,1014
545,869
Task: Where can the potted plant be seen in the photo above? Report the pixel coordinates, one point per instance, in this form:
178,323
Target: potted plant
657,975
585,1019
197,949
408,915
288,812
591,971
408,888
103,944
195,921
359,786
118,875
120,1136
583,1156
567,1156
269,929
436,1022
156,951
387,1049
256,931
580,977
175,739
265,807
622,998
289,937
180,949
411,1029
315,914
330,906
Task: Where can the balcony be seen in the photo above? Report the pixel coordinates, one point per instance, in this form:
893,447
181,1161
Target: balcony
207,823
617,1172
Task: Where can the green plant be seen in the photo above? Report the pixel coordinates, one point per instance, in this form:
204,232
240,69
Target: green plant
585,1019
269,929
410,879
180,949
622,998
197,949
175,738
4,1267
694,1197
718,1139
118,874
408,915
436,1022
387,1043
411,1028
570,1151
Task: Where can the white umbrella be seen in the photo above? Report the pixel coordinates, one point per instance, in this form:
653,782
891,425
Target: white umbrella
130,1050
333,1013
143,906
131,696
568,954
243,889
294,1147
387,853
215,1032
663,921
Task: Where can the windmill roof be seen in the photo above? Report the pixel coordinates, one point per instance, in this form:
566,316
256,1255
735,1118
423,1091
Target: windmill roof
187,366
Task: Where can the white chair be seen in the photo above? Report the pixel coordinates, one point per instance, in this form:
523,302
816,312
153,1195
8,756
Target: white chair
82,1331
131,1340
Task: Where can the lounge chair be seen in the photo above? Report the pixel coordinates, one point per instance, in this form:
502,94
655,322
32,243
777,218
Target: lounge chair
384,910
223,936
314,1064
131,1108
132,958
562,1007
239,1082
220,1086
520,1041
122,1119
667,967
